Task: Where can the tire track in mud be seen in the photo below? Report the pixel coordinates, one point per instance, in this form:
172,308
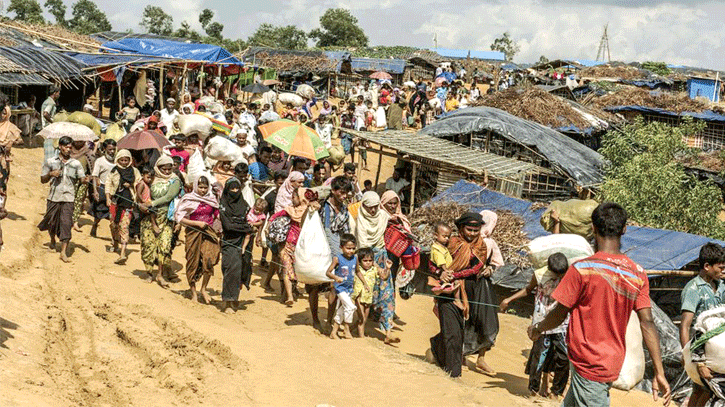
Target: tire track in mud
106,353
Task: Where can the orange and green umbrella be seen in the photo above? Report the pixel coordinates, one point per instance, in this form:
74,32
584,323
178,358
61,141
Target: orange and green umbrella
295,139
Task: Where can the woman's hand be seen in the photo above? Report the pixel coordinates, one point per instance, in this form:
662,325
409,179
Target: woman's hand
143,207
447,276
487,272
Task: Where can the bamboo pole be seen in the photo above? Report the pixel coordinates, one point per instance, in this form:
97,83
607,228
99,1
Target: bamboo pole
412,187
380,164
161,88
183,83
120,97
216,91
673,273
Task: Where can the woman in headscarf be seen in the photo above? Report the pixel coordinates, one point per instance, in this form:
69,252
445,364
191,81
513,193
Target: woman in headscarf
370,228
302,200
472,264
199,212
121,195
152,124
284,196
236,266
187,104
222,171
395,114
326,108
156,248
390,202
81,151
490,218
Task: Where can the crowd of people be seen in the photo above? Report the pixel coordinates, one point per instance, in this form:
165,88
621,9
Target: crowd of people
581,312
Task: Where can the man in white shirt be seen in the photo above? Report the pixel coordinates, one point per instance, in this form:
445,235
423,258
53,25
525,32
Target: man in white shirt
396,183
169,114
269,98
242,141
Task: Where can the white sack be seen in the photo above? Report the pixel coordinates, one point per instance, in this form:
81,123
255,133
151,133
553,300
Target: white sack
197,168
294,100
574,247
221,148
305,90
633,367
194,124
312,253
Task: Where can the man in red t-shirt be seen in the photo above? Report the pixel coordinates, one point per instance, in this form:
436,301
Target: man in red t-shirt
600,292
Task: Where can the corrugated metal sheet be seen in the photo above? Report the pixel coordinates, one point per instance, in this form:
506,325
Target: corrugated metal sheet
391,66
464,53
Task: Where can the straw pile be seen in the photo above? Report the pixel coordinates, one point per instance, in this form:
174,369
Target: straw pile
632,96
712,161
287,63
508,232
610,71
536,105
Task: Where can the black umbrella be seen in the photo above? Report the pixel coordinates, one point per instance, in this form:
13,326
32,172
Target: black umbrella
255,88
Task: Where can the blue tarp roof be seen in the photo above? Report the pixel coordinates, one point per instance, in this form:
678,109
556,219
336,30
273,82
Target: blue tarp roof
391,66
650,83
339,56
173,49
464,53
113,59
706,115
653,249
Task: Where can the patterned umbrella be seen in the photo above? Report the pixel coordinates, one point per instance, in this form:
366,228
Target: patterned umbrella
142,140
294,139
77,132
380,75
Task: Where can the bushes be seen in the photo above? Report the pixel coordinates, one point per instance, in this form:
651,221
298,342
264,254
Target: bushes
644,177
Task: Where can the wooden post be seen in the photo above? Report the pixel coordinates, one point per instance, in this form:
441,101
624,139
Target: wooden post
380,164
120,98
219,74
161,88
412,187
100,101
183,84
328,86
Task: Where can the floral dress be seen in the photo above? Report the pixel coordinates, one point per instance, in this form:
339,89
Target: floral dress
156,249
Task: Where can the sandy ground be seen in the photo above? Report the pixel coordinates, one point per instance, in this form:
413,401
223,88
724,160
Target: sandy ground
93,333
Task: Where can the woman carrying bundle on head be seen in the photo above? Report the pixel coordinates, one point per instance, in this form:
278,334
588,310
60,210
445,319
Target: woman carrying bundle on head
199,212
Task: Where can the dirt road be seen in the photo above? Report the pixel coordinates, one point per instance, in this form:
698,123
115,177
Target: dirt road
93,333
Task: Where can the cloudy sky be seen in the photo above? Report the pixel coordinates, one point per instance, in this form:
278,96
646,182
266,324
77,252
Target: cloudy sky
687,32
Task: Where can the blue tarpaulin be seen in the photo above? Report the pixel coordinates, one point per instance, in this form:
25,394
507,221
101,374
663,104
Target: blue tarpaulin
706,115
174,49
391,66
653,249
114,59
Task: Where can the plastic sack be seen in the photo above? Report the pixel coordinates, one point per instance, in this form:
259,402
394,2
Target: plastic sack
337,155
114,131
291,98
306,91
60,117
574,247
575,216
312,253
222,149
87,120
714,347
194,124
248,194
633,366
197,168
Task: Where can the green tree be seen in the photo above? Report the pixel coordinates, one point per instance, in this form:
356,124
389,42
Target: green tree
57,9
645,177
186,32
287,37
543,60
205,17
507,45
212,28
339,28
28,11
156,21
88,18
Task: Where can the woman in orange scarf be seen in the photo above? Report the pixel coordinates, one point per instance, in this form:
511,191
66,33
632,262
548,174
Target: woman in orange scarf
478,333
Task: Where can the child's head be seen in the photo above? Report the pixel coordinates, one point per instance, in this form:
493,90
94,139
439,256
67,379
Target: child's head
443,233
131,101
177,162
609,220
241,172
260,205
712,260
147,175
192,139
366,258
368,184
347,245
558,264
202,186
179,141
279,179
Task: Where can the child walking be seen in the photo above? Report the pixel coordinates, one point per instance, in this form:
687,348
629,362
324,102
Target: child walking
143,194
342,272
120,193
367,276
548,353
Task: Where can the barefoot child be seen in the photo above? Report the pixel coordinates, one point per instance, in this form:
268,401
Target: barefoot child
367,275
120,194
143,194
548,354
342,272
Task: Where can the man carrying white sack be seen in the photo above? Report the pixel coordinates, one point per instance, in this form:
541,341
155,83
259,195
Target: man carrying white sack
600,292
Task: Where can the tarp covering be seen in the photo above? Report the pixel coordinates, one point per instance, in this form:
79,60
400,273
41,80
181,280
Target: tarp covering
174,49
49,64
706,115
653,249
96,60
581,163
391,66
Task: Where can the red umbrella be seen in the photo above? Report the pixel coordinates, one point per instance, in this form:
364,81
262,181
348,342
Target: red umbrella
381,75
142,140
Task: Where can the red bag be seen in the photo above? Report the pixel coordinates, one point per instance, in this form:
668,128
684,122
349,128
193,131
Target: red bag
411,261
396,241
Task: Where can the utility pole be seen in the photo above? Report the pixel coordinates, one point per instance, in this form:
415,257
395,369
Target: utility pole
435,40
604,46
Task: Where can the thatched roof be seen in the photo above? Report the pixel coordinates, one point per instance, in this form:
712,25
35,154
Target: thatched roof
673,102
15,34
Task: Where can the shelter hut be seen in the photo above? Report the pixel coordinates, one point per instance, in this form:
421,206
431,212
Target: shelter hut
567,167
366,66
709,88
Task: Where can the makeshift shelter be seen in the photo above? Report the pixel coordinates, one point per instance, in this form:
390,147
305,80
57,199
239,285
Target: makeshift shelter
366,66
436,164
569,164
704,87
183,51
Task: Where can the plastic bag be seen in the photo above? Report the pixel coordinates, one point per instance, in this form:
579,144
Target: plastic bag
337,155
87,120
195,124
248,193
312,253
575,216
291,98
222,149
197,168
574,247
305,90
633,366
114,131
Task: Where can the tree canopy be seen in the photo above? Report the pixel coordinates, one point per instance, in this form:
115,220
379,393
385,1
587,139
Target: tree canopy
28,11
339,28
156,21
286,37
645,177
507,45
57,9
88,18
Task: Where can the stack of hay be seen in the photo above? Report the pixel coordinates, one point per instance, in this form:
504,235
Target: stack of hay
673,102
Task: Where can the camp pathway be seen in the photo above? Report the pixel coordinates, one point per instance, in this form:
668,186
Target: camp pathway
93,333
